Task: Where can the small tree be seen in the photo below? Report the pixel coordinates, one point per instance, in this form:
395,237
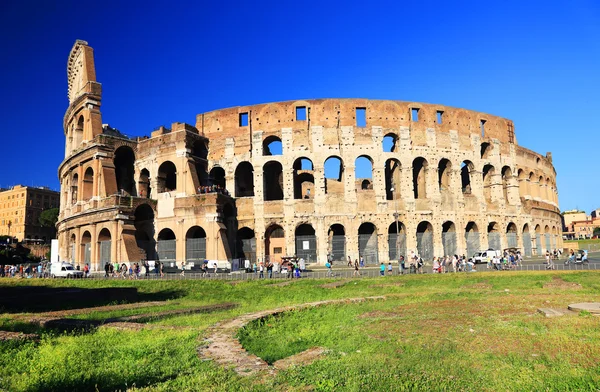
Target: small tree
49,217
597,231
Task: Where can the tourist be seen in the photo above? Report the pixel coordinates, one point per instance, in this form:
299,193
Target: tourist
302,264
420,265
401,265
290,270
86,270
356,271
349,262
362,262
106,269
270,270
182,268
389,268
382,270
328,266
261,269
436,269
162,267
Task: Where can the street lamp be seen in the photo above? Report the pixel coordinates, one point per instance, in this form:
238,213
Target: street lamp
396,215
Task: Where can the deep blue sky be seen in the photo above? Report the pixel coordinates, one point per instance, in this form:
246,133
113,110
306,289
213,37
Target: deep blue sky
535,62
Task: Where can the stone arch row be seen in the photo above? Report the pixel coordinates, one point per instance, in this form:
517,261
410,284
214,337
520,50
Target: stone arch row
537,186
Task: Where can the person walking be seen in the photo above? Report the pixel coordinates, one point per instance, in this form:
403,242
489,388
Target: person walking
382,269
182,268
401,265
356,270
261,269
328,266
389,269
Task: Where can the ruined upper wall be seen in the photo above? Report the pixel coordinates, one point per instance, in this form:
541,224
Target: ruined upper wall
334,113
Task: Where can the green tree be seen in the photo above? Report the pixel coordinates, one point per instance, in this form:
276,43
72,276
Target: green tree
597,231
49,217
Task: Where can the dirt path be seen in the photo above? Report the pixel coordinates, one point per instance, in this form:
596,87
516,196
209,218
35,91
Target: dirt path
221,345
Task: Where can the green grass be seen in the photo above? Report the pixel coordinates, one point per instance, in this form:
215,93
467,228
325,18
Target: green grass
478,332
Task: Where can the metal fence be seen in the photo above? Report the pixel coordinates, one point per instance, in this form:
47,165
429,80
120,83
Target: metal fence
527,250
195,249
396,249
425,245
538,244
494,241
548,243
306,247
249,249
338,247
473,244
104,252
87,253
511,240
166,250
367,248
449,242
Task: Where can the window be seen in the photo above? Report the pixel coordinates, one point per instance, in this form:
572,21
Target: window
361,117
439,116
482,125
277,250
244,119
414,114
300,113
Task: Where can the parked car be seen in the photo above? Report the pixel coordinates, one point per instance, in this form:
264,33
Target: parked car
64,270
579,254
484,256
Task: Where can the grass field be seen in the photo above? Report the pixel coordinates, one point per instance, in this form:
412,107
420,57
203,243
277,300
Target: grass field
471,332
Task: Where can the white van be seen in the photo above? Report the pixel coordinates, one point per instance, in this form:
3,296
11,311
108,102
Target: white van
64,270
484,256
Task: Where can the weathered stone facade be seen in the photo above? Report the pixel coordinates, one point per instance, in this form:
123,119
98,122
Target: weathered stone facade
457,179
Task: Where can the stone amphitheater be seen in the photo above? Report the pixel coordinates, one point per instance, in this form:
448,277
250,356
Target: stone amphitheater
347,178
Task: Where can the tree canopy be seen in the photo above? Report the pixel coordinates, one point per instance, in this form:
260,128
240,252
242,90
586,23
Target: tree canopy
49,217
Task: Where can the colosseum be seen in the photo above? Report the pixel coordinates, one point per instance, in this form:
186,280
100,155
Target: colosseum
312,178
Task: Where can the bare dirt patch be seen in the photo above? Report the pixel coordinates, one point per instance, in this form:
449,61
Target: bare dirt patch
479,286
395,284
6,335
334,285
282,284
304,358
559,283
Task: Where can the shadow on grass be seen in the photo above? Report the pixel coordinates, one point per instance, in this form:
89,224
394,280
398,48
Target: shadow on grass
35,299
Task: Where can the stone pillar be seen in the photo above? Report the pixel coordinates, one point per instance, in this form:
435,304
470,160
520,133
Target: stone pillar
322,241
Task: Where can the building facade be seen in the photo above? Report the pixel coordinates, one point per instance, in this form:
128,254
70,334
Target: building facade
340,177
20,209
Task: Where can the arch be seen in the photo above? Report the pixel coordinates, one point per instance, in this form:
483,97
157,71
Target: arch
449,238
541,188
144,184
124,159
506,183
306,242
273,181
363,172
488,174
167,246
547,242
244,180
472,238
336,236
86,248
74,188
533,189
367,243
494,237
73,248
538,240
167,177
393,176
466,168
217,177
389,142
104,245
512,240
304,180
88,184
195,245
420,174
274,243
523,183
425,247
200,149
527,241
246,244
78,133
144,231
486,149
334,175
396,240
272,146
444,174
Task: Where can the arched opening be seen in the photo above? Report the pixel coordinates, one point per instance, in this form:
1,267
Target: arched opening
527,244
306,243
512,240
533,189
466,168
74,188
449,238
541,188
272,146
538,240
104,242
547,242
486,149
554,238
73,249
389,142
393,175
494,237
167,246
523,184
334,175
444,174
274,243
304,180
363,172
78,134
195,245
244,180
86,248
144,184
88,184
336,236
144,232
124,161
506,183
367,243
420,170
246,244
273,181
200,150
396,240
167,177
488,174
230,221
199,160
425,247
472,238
217,177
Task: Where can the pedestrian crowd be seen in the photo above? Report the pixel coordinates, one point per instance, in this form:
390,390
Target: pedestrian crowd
213,189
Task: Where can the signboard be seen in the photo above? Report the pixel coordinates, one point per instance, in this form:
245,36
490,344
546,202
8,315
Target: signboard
305,245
